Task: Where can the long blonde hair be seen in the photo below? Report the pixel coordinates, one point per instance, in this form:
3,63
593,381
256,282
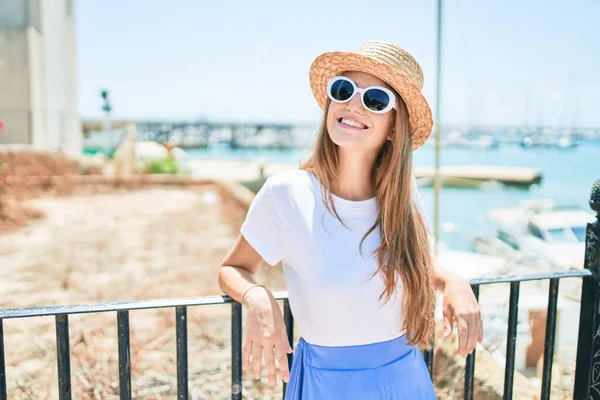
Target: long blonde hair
404,249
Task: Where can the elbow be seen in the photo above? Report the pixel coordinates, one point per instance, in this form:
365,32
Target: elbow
221,279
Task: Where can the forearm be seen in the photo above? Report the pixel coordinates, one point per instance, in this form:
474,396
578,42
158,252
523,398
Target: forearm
235,281
441,277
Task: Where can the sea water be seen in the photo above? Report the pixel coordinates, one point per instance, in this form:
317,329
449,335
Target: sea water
567,178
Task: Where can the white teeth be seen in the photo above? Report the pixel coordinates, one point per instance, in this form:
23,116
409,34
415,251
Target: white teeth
347,121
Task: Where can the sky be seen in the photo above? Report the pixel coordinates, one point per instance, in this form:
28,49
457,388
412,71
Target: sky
509,62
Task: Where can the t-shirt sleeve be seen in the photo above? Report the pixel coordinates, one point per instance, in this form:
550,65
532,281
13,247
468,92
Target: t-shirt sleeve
420,206
263,227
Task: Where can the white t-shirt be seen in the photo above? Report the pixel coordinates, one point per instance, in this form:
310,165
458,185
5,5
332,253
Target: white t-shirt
333,301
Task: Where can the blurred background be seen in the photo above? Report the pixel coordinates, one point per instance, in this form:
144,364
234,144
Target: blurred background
213,97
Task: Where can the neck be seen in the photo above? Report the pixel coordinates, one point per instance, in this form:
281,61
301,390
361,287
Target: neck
355,180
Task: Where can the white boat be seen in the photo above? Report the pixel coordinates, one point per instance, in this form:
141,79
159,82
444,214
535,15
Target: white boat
461,140
537,231
562,142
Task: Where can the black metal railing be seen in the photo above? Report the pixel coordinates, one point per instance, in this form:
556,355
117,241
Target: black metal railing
587,368
122,309
583,381
511,334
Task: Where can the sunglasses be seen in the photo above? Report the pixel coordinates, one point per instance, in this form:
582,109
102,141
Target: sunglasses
376,99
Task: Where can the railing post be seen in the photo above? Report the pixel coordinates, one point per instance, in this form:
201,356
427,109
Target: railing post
470,362
288,318
549,339
236,351
511,340
63,356
587,367
428,357
182,352
124,349
2,364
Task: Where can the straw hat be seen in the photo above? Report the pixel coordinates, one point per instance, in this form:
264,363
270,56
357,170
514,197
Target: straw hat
389,63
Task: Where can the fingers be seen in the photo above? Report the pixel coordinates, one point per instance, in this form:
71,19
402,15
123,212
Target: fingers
282,360
256,350
270,364
473,334
480,339
246,354
475,330
470,331
256,360
448,319
463,333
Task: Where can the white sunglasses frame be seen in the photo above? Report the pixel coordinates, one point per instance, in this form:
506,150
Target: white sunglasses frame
392,103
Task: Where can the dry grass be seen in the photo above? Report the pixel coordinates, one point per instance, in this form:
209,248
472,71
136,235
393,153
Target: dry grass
16,165
123,245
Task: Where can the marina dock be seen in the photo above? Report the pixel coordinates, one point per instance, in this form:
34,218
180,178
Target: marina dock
477,175
456,176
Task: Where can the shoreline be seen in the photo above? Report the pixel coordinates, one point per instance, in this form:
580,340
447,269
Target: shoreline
460,176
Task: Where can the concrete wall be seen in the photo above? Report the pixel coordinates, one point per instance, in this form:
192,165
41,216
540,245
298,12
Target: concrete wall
60,82
74,143
15,96
38,73
14,80
37,112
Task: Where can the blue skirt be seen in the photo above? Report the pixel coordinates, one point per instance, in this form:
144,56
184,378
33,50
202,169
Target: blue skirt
389,370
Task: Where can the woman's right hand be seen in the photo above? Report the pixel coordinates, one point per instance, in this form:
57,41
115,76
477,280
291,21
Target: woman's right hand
265,335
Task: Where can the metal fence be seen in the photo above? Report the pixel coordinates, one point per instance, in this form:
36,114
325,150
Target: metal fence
587,370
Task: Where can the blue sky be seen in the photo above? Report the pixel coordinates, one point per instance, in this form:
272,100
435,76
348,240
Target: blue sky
504,62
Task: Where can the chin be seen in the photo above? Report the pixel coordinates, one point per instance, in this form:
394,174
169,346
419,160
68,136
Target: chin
347,140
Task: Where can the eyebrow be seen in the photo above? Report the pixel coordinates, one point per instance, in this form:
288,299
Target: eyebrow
385,85
359,84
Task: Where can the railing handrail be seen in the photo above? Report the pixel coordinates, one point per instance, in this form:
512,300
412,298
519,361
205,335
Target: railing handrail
121,306
222,299
576,273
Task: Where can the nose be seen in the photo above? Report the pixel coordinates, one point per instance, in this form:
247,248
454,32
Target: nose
355,104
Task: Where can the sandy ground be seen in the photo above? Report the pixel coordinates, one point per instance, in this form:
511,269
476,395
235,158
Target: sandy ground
128,245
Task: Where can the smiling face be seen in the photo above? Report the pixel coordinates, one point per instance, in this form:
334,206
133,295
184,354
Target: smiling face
351,126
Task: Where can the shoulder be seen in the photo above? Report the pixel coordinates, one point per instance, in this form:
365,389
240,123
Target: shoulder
289,183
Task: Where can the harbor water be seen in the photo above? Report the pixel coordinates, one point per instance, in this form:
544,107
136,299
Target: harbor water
568,175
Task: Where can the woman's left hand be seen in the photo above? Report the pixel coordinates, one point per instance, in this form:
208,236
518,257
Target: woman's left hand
460,304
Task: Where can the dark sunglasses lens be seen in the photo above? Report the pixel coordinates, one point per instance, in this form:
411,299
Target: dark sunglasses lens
341,90
376,99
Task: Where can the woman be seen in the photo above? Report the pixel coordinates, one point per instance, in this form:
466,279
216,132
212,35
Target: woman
351,236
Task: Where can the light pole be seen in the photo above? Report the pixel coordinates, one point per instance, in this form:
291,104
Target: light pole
106,107
436,176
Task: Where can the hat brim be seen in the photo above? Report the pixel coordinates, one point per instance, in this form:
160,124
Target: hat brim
331,64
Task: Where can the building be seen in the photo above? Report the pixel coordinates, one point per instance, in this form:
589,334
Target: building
38,91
